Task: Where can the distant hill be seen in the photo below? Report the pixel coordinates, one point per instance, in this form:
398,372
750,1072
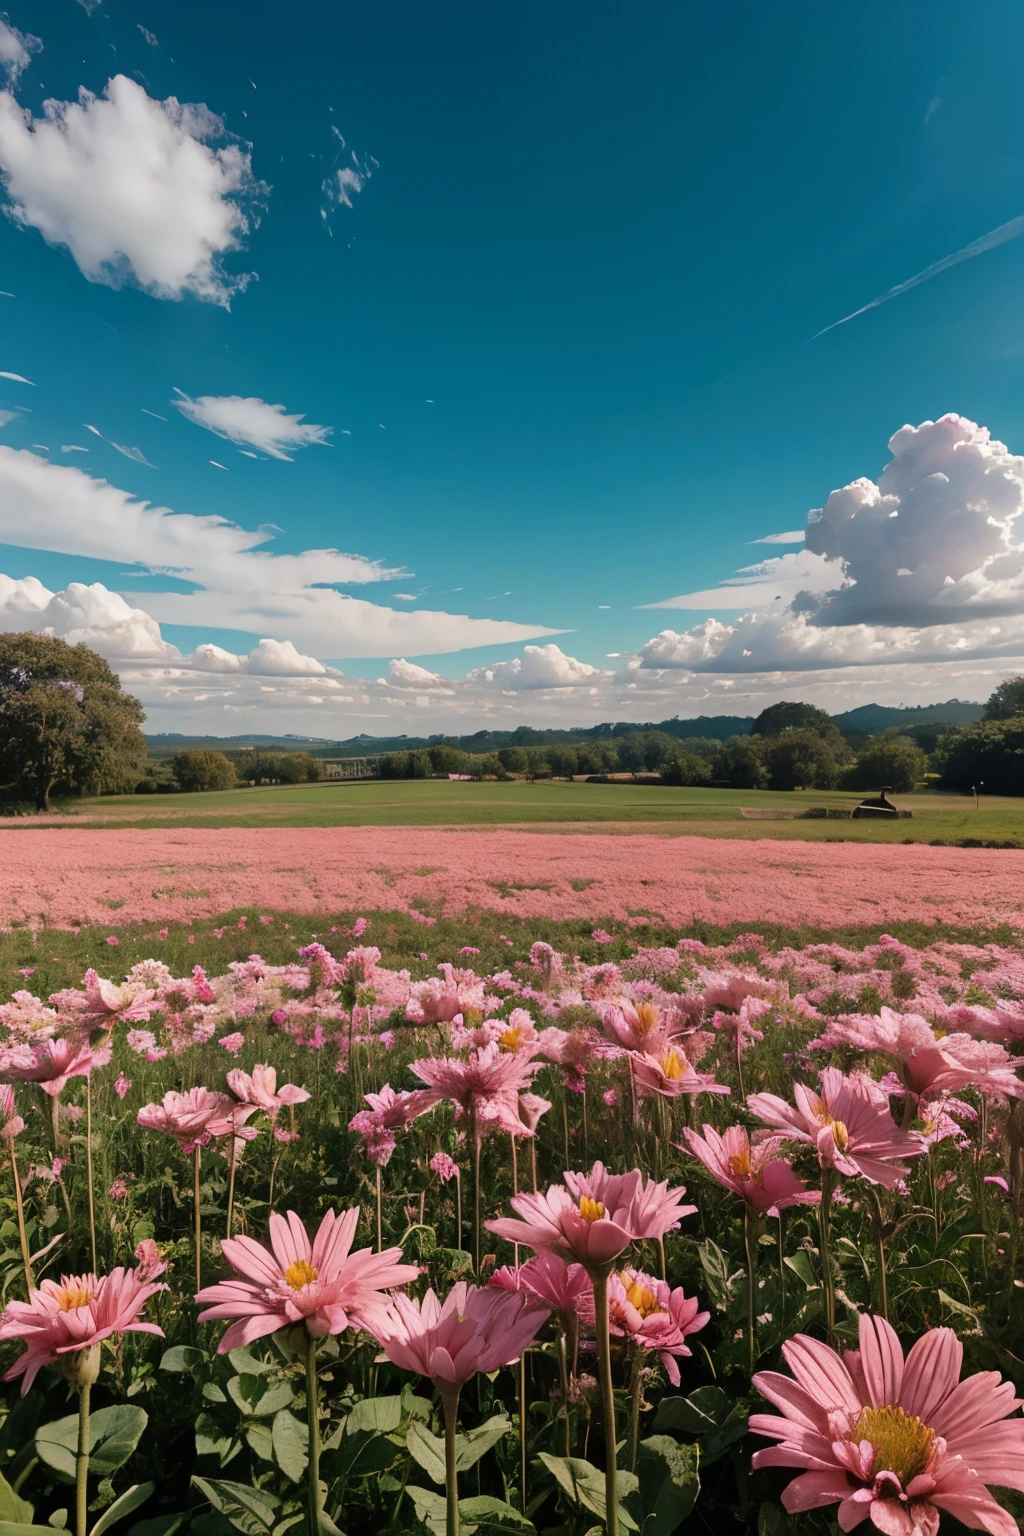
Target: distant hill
865,720
879,717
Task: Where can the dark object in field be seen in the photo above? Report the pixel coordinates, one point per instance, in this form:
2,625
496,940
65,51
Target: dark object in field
879,807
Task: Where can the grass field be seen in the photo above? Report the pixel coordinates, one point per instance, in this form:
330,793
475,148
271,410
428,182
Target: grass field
702,812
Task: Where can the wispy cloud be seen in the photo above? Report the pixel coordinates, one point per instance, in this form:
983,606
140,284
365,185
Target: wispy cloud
135,454
795,536
978,247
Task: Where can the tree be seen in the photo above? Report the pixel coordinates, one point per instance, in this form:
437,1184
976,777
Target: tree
196,768
562,761
739,761
802,760
444,758
989,753
687,768
66,726
1007,700
889,760
513,759
791,716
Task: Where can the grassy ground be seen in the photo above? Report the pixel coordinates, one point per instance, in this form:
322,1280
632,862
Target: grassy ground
704,812
56,957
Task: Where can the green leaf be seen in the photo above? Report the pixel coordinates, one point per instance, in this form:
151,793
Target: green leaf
113,1435
426,1450
432,1509
259,1399
247,1364
800,1264
13,1510
485,1510
669,1483
182,1358
133,1498
584,1483
772,1521
290,1445
160,1525
211,1440
250,1510
716,1273
15,1528
259,1441
358,1455
477,1442
382,1415
704,1410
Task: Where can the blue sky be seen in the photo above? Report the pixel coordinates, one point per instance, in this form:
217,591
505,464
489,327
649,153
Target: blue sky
558,327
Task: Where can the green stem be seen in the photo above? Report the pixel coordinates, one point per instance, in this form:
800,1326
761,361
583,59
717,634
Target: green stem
313,1432
522,1431
458,1209
635,1399
828,1184
26,1258
475,1135
604,1365
878,1224
88,1167
750,1223
739,1065
232,1163
197,1221
563,1373
380,1194
450,1398
82,1464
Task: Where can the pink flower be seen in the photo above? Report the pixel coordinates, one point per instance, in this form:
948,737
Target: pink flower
565,1288
670,1074
476,1328
123,1086
187,1116
654,1316
926,1063
261,1091
320,1284
486,1085
112,940
593,1217
443,1166
54,1062
853,1131
758,1174
11,1123
232,1043
896,1441
438,999
601,937
118,1190
147,1256
388,1112
634,1026
106,1003
62,1319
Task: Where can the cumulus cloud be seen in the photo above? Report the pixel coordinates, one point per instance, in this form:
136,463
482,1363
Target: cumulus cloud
87,615
770,581
270,658
919,567
406,674
191,191
541,666
253,421
16,50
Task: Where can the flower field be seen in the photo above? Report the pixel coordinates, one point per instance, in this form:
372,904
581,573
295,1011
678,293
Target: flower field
62,877
636,1231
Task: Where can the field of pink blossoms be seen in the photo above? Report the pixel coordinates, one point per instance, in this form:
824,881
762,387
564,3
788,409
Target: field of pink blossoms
697,1238
70,877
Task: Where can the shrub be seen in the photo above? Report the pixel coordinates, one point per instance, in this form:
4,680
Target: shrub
888,759
739,762
196,768
989,753
687,768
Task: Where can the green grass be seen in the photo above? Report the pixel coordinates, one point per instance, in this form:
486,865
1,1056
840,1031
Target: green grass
706,812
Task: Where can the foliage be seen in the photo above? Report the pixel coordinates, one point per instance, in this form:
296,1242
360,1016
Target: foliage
1007,700
791,716
889,760
990,753
195,769
803,759
66,726
740,764
687,768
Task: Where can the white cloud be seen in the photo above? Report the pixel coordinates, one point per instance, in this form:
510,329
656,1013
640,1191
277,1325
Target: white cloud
251,421
148,36
540,666
66,174
795,536
16,50
90,615
406,674
270,658
770,581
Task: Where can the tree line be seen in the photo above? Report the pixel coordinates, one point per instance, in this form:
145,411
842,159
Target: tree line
67,728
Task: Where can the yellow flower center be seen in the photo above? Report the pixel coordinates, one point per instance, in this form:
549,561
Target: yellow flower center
647,1016
840,1135
74,1295
509,1040
740,1163
591,1210
639,1295
300,1274
903,1445
674,1065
